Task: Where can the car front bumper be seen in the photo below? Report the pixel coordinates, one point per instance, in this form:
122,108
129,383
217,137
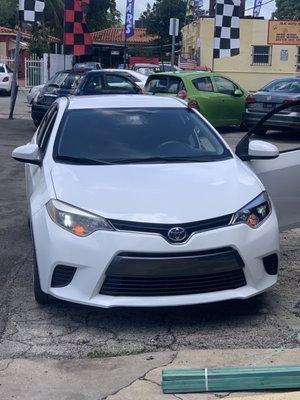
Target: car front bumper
92,257
278,121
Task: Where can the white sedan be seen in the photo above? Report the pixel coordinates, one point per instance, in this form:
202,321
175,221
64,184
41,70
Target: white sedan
5,78
138,201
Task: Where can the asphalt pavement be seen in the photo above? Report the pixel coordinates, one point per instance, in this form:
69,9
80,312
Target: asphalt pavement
72,331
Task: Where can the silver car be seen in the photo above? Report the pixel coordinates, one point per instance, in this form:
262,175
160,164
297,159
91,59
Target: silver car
278,92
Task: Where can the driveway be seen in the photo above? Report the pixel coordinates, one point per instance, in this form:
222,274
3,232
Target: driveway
70,331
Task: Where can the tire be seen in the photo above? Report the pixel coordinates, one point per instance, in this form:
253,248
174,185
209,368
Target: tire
40,296
8,93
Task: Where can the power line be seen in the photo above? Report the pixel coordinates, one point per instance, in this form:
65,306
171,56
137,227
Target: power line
263,4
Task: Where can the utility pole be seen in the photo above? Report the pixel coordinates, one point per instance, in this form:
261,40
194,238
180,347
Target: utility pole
14,84
173,31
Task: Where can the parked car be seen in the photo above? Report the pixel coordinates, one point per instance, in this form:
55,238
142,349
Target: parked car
106,82
146,69
87,66
167,67
128,211
33,92
217,97
137,78
79,84
279,91
5,78
62,84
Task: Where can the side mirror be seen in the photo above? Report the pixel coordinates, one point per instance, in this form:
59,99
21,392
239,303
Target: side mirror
238,92
29,154
256,150
259,149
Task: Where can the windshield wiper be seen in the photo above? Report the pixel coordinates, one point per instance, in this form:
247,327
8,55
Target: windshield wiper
166,159
81,160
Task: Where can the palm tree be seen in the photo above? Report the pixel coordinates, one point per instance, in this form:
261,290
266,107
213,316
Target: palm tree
54,16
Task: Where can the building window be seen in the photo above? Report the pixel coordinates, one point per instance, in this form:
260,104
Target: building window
261,55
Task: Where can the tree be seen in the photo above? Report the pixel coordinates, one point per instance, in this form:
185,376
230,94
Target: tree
287,9
38,44
102,14
8,13
156,19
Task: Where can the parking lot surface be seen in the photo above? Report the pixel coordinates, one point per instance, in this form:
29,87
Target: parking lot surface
68,330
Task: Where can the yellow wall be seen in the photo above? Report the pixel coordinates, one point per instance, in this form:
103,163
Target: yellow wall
239,68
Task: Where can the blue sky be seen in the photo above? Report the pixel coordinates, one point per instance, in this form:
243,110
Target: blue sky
140,5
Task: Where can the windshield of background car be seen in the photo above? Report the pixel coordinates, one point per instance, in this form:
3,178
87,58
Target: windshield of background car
164,84
65,80
284,86
147,70
134,135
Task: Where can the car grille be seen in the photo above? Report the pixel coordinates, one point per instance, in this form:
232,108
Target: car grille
133,274
163,229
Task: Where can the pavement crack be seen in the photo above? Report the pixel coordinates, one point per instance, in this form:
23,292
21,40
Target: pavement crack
142,377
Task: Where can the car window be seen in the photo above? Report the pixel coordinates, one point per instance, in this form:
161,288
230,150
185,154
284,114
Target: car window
44,125
48,129
224,85
165,84
117,82
284,86
95,82
2,69
131,134
65,80
203,84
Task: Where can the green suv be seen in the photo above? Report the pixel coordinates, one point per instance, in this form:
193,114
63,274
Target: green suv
217,97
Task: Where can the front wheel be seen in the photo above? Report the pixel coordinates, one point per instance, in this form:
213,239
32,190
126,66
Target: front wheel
40,296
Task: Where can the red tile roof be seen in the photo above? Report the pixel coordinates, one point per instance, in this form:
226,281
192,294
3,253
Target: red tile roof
116,35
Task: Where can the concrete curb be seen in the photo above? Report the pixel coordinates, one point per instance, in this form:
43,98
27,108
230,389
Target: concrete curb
131,377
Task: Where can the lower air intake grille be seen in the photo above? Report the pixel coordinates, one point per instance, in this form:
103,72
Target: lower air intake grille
172,286
271,264
62,275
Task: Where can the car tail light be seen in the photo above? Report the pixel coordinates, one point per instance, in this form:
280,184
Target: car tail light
5,79
194,104
250,99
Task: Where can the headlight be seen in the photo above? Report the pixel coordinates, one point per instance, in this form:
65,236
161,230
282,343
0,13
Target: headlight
255,212
74,220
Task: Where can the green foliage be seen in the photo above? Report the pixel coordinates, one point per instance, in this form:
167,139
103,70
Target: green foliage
102,14
156,19
8,13
38,43
287,9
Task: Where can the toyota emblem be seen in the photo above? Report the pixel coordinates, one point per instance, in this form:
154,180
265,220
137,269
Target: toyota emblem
177,234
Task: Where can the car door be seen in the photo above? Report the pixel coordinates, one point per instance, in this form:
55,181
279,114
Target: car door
232,104
203,92
281,176
34,173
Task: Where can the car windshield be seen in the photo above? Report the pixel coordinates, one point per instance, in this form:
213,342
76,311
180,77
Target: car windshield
284,86
85,65
137,136
147,70
2,69
65,80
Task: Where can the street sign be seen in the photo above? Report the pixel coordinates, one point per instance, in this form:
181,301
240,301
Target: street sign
174,27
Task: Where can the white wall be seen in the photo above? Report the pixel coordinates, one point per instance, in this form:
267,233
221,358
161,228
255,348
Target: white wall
58,62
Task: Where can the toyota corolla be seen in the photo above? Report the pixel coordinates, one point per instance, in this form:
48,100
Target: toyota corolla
137,201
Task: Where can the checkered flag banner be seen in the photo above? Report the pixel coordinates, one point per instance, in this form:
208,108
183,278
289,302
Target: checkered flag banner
31,10
77,39
227,28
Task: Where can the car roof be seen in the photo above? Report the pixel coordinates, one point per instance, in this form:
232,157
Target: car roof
183,74
124,101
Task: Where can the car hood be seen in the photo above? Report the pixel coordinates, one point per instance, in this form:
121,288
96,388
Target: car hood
161,193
